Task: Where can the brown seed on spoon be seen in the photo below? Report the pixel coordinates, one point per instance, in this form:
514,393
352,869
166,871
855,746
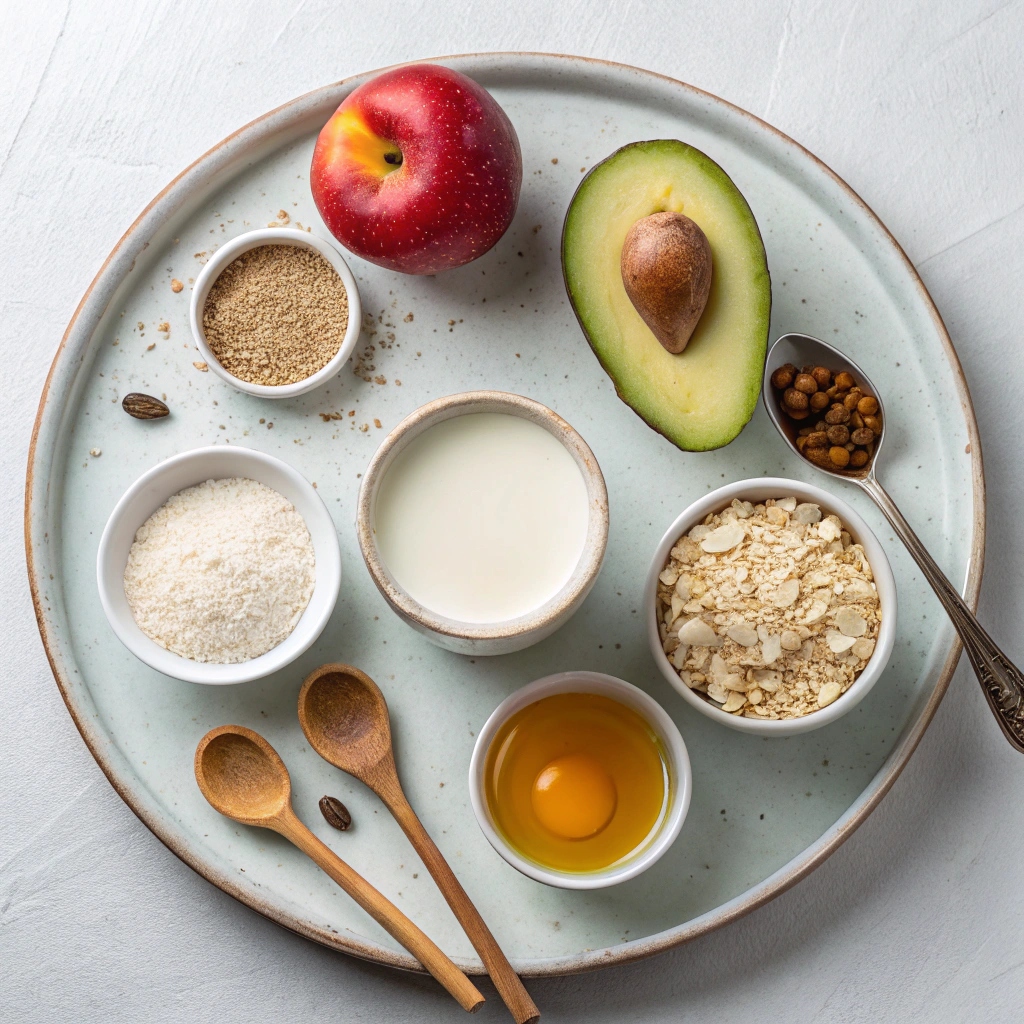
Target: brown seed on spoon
243,778
666,271
345,718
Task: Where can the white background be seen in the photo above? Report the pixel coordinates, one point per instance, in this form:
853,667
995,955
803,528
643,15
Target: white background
917,104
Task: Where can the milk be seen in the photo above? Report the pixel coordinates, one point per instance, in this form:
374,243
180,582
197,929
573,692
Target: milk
483,517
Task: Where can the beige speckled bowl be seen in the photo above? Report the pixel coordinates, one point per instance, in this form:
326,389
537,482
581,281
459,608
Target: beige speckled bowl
512,634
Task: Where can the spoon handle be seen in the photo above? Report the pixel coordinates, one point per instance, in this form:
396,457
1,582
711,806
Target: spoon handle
385,913
505,979
1001,681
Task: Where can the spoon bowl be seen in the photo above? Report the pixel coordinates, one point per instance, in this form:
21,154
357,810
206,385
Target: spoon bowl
803,350
242,776
1001,681
345,718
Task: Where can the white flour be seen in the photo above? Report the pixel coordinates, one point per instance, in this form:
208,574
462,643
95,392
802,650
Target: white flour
221,572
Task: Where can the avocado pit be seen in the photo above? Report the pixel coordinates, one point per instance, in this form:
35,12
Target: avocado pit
666,271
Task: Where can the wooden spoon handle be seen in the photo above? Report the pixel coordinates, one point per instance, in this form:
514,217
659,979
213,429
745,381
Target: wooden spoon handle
386,914
505,979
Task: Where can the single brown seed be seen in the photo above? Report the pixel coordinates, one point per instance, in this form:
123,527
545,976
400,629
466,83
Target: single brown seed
837,414
819,439
784,376
851,400
839,457
844,380
862,436
335,813
867,406
806,383
797,414
144,407
873,423
819,456
856,422
794,400
858,458
819,401
838,433
823,375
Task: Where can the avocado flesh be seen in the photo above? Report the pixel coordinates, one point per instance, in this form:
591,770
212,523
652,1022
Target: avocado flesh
703,397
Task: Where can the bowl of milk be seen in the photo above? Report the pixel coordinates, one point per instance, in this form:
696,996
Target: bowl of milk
483,520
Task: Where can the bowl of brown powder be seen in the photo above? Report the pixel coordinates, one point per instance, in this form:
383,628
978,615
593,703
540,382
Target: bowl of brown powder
276,312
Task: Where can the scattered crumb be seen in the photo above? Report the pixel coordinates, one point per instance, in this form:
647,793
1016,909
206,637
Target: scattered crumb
408,318
398,383
164,326
536,228
351,412
376,423
140,326
95,452
176,285
380,379
967,450
202,367
282,220
149,348
364,427
554,159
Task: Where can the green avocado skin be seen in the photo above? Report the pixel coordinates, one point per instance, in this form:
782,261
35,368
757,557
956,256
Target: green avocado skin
702,398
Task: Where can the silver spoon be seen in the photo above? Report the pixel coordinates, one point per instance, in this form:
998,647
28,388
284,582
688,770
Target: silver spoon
1001,681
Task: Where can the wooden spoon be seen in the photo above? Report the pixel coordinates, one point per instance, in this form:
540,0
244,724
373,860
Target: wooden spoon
242,776
345,718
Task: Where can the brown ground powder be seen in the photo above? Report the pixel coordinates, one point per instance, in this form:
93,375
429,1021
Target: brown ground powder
276,315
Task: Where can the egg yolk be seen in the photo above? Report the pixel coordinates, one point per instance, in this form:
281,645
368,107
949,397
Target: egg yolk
573,796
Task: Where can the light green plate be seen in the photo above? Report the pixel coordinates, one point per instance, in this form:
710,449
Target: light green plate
764,812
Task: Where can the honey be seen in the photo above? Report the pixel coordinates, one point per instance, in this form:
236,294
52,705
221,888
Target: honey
577,782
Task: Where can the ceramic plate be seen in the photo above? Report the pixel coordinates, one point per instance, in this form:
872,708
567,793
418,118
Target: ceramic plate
764,812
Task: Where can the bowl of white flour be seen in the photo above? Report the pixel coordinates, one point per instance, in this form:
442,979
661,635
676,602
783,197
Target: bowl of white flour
219,565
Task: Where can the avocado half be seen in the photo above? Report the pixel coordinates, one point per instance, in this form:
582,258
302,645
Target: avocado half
701,398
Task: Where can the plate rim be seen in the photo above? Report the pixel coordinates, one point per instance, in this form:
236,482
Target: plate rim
37,490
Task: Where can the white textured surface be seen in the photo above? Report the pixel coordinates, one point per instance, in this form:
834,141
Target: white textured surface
917,105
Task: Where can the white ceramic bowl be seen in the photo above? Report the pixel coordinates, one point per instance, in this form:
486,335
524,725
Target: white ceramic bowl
757,490
150,491
275,236
680,777
514,634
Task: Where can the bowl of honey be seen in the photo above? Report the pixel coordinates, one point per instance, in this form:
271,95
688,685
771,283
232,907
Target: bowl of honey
580,780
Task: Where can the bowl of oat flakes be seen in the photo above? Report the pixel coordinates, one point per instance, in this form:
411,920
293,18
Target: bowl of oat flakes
771,606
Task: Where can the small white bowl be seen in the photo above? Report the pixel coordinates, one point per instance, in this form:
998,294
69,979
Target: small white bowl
150,491
476,638
757,490
680,777
229,252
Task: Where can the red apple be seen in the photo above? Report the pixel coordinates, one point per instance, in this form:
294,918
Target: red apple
419,170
